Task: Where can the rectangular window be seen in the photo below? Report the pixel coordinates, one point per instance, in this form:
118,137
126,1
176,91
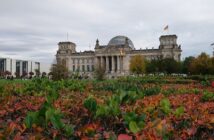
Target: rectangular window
2,65
18,68
92,67
83,67
24,67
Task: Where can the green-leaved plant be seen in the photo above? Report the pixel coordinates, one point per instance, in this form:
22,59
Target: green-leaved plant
48,114
165,106
134,122
91,104
179,111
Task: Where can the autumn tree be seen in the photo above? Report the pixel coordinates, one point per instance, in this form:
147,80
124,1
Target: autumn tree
212,65
137,64
59,72
203,64
99,73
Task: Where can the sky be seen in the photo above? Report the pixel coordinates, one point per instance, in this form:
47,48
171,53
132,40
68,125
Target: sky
31,29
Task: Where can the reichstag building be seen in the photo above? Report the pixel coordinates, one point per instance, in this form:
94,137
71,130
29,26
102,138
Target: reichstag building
114,57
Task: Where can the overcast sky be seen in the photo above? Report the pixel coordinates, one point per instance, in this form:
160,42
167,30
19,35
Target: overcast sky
31,29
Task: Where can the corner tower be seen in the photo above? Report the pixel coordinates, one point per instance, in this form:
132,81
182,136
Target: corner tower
169,47
65,49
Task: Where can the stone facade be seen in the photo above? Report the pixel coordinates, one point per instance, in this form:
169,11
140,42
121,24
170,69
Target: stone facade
115,56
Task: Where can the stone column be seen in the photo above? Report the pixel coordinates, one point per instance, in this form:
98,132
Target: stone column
107,64
121,63
101,62
118,64
96,62
81,66
113,64
77,65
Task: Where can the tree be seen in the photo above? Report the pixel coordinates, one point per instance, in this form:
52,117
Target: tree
44,74
203,64
166,65
170,65
17,74
31,74
37,71
7,73
154,66
59,72
99,73
137,64
1,73
212,66
24,74
186,64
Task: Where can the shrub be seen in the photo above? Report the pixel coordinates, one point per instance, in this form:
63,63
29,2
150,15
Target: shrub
207,96
151,91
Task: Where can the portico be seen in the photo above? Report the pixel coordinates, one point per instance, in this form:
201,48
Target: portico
110,63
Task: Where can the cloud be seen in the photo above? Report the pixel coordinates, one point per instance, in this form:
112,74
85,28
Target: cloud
32,29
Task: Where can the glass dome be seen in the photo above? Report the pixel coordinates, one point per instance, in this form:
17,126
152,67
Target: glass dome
120,40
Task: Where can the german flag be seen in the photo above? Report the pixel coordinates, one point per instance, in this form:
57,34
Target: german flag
166,27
